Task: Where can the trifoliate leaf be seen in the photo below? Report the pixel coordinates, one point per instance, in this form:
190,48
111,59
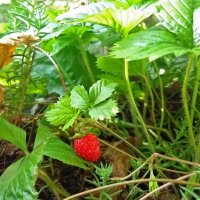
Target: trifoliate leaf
96,103
122,21
62,113
79,98
182,18
152,43
104,110
100,91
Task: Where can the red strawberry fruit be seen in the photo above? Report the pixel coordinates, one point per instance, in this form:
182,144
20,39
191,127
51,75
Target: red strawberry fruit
88,147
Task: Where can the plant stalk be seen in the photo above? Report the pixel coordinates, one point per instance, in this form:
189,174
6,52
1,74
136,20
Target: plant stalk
134,107
162,109
152,101
195,90
161,180
185,105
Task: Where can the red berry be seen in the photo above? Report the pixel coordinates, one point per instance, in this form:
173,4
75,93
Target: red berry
88,147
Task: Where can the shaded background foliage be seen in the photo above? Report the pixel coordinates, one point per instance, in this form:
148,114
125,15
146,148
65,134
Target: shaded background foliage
146,54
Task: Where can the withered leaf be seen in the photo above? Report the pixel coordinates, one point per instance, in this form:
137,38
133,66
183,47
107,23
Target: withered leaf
9,43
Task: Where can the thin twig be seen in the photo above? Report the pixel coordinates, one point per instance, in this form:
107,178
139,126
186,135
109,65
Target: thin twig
55,65
178,160
119,150
152,158
134,172
180,182
165,185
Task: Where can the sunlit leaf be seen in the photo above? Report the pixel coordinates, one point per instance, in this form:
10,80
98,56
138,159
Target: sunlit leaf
85,10
100,91
79,98
152,43
122,21
104,110
62,113
182,18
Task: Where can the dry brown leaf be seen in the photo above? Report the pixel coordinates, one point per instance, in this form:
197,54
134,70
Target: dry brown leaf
9,43
121,162
6,52
1,95
167,195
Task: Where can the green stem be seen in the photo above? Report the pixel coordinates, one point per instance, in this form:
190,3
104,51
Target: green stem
130,125
134,106
134,117
162,109
86,61
165,108
133,113
119,137
185,104
195,90
56,67
152,101
52,184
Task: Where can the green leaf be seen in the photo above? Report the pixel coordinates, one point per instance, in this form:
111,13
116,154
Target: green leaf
122,21
116,67
18,181
83,11
111,65
56,148
182,18
64,37
62,113
70,62
80,98
104,110
13,134
77,31
100,91
43,135
189,192
153,43
59,150
95,103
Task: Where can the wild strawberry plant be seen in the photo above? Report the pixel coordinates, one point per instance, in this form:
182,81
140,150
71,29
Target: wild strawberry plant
125,71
